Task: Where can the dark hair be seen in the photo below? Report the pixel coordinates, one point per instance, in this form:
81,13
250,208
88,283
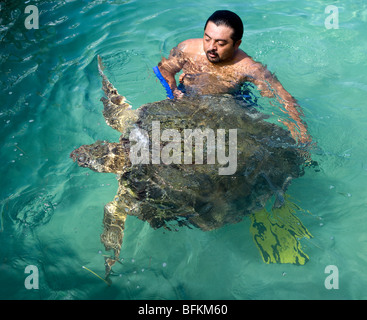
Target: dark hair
229,19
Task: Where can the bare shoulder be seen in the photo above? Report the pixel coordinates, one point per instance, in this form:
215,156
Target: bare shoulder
244,60
191,46
247,63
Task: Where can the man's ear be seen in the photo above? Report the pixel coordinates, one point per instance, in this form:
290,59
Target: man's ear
237,44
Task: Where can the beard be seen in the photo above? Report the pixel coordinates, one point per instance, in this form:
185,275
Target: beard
212,56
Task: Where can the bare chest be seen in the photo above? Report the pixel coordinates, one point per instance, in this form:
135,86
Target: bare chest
200,66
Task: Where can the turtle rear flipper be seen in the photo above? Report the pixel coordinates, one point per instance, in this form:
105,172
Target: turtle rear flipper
277,234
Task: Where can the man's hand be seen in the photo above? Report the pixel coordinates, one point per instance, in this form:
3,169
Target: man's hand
298,131
300,135
177,93
181,78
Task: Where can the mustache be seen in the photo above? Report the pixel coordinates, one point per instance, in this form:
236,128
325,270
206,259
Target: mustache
212,52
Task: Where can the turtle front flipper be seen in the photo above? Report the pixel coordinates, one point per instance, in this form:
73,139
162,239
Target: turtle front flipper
117,112
113,233
103,156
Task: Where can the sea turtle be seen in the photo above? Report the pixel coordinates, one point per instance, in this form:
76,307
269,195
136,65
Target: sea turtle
197,187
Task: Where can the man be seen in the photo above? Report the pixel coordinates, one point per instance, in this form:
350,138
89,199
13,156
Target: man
215,64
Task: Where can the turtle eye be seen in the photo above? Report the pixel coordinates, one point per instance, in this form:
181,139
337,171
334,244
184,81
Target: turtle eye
82,159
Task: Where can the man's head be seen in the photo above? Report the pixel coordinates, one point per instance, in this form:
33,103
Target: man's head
222,35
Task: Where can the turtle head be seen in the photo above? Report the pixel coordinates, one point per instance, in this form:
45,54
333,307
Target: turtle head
84,156
100,156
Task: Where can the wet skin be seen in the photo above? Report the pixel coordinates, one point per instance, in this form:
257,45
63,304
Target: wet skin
215,64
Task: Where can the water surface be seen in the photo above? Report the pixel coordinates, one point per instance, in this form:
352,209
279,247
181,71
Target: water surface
51,210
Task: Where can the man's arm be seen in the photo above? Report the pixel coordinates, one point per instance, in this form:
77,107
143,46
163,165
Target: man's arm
270,86
169,67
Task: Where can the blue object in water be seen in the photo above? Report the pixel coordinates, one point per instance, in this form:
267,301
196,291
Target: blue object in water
163,82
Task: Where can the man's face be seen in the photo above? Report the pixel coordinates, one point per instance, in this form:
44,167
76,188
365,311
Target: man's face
218,44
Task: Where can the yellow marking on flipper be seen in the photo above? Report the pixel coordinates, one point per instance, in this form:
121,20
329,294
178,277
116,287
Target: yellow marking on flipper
277,234
96,275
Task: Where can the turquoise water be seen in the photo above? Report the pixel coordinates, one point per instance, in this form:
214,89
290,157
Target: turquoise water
52,210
